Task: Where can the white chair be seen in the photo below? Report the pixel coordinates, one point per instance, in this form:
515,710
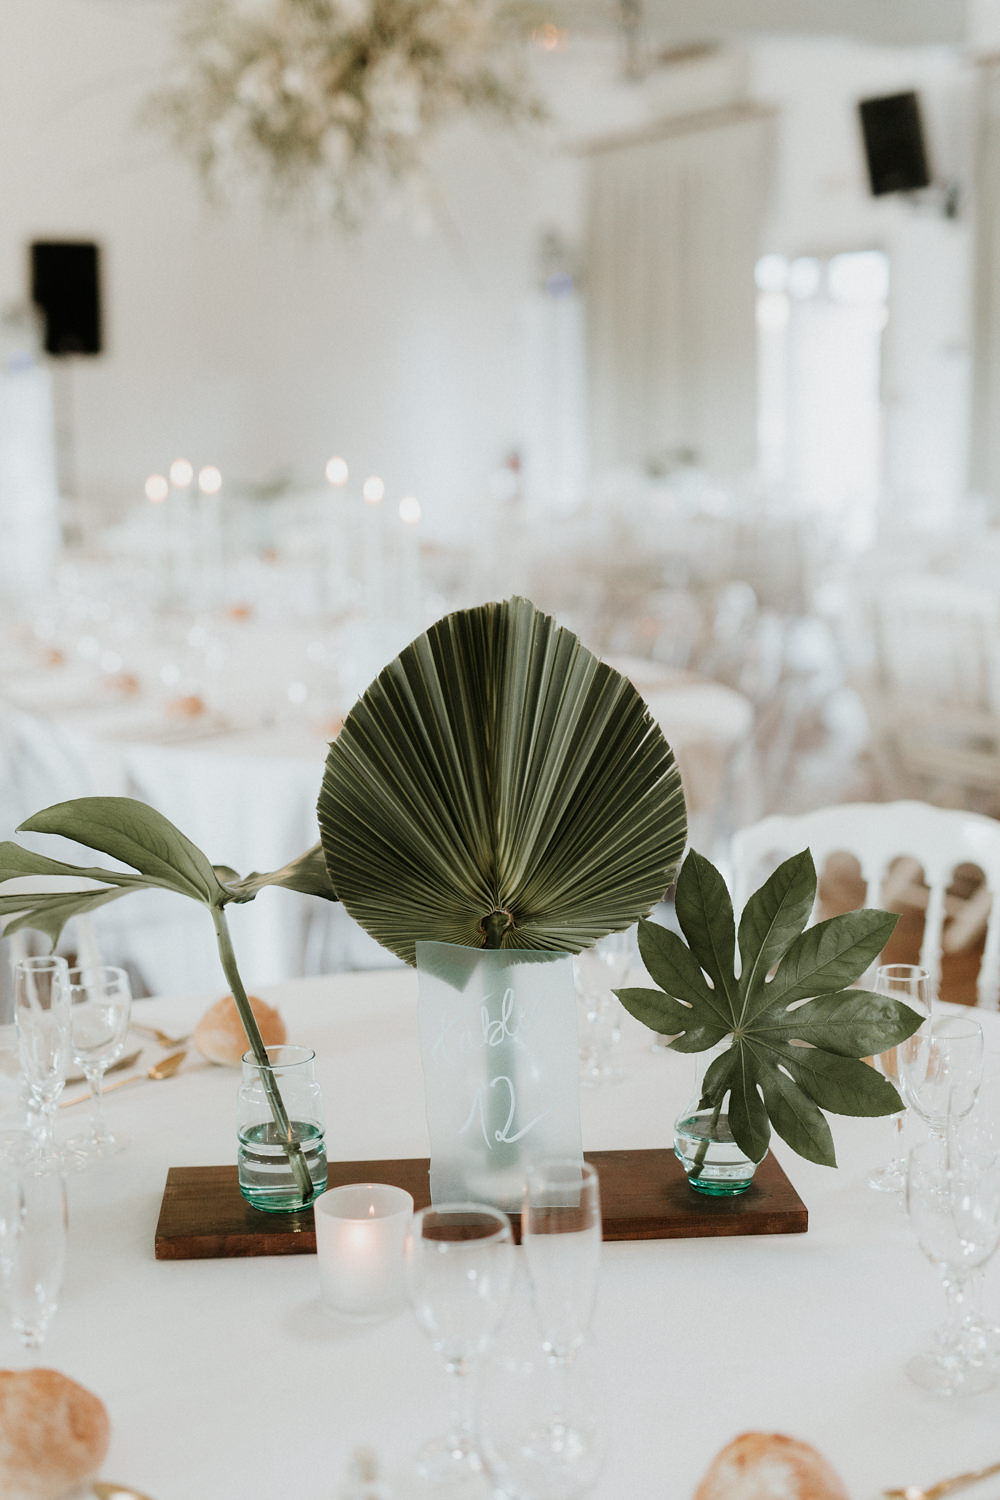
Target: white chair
932,687
877,834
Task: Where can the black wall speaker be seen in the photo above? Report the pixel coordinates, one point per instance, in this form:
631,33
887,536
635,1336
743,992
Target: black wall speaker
65,283
894,144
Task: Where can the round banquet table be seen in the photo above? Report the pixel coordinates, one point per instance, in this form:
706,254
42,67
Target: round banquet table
225,1378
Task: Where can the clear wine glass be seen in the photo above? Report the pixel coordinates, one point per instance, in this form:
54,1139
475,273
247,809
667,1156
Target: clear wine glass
912,985
953,1200
100,1006
561,1235
459,1269
41,1014
38,1252
597,972
521,1395
940,1069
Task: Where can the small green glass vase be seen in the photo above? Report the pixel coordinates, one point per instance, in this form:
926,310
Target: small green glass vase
265,1175
704,1145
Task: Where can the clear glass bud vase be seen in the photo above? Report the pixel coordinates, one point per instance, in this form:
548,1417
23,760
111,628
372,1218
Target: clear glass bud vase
704,1145
266,1177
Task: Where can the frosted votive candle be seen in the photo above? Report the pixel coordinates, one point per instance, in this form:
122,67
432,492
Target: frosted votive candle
360,1232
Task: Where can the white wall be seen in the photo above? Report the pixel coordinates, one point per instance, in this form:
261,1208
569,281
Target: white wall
247,342
821,203
252,344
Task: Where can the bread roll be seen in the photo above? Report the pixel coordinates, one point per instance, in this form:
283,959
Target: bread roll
53,1435
767,1466
219,1035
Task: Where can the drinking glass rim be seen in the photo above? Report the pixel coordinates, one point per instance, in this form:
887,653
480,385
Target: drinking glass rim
586,1170
502,1227
306,1055
912,972
324,1204
41,962
79,975
937,1023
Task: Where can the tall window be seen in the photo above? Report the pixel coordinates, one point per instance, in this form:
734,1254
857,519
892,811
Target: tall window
820,321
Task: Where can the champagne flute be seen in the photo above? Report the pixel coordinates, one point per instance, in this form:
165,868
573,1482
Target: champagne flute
940,1069
912,985
37,1252
561,1235
953,1200
459,1268
41,1015
100,1006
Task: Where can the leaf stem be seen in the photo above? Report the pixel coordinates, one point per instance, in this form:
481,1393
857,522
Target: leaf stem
293,1150
494,926
702,1151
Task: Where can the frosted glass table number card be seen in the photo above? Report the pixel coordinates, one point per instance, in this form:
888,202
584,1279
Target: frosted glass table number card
498,1041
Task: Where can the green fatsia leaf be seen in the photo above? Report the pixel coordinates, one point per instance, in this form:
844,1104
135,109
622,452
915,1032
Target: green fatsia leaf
796,1038
676,971
129,830
705,911
794,1115
307,874
829,956
773,917
851,1023
669,1017
498,785
841,1084
748,1119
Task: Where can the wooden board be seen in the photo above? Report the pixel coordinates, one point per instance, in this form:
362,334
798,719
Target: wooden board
644,1196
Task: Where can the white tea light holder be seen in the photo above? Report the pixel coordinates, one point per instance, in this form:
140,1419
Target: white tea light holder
361,1229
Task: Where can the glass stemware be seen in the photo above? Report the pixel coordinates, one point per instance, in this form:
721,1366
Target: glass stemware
459,1269
598,971
912,985
940,1069
100,1005
37,1252
953,1200
41,1015
561,1235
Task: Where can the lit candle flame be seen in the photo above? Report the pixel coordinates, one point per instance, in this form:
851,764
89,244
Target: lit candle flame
209,480
373,490
337,472
156,488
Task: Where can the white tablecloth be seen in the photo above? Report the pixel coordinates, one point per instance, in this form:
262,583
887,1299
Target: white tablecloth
225,1378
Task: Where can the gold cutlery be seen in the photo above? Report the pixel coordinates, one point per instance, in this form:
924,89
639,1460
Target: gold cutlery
161,1036
123,1062
105,1491
943,1486
165,1068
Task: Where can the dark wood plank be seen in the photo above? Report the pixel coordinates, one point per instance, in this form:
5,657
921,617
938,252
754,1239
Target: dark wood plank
644,1196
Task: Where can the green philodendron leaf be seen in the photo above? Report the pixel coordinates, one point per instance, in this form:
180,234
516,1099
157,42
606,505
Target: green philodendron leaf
50,912
307,874
16,862
796,1038
139,836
